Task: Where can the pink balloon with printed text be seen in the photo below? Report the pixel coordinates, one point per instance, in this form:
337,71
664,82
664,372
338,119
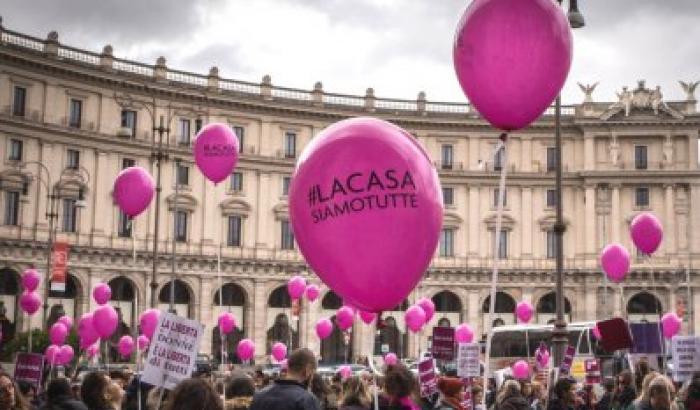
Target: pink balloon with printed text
216,151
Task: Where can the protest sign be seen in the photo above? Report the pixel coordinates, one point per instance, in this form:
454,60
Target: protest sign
468,360
29,367
686,357
427,377
568,360
592,371
467,399
443,347
171,357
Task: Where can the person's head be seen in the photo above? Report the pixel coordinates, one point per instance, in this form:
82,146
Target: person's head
509,388
608,385
399,381
659,393
644,392
115,394
565,390
477,393
355,392
27,389
537,390
624,379
194,393
319,387
97,391
240,385
692,393
301,365
59,387
10,395
526,388
450,387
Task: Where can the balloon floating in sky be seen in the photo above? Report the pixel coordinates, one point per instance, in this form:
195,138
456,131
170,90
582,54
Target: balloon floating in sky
615,261
133,190
646,232
216,151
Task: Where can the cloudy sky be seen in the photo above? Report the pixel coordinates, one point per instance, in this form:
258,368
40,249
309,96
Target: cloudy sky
398,47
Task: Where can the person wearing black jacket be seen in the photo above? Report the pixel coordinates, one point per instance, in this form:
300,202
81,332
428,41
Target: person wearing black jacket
605,402
291,392
59,396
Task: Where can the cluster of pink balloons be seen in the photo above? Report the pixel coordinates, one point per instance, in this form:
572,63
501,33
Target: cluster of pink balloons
59,355
420,314
30,302
298,288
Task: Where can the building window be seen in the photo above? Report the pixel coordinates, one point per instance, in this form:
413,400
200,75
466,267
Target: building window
129,121
73,161
502,245
447,156
184,136
447,242
19,101
124,229
128,163
287,235
498,160
70,215
286,180
641,197
495,197
448,196
240,133
234,230
551,245
290,144
76,113
16,148
198,125
551,198
640,157
236,182
181,226
11,208
182,174
551,159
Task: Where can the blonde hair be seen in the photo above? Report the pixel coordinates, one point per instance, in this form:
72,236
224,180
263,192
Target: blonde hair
509,388
658,387
355,392
643,395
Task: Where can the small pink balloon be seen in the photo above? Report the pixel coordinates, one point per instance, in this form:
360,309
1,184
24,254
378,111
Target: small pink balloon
646,232
428,307
615,261
31,279
58,333
296,287
105,321
390,359
65,355
227,322
67,321
102,293
86,330
312,292
367,317
216,151
464,333
246,349
670,324
29,302
521,370
279,351
596,332
133,190
524,311
324,328
142,342
92,351
126,346
51,354
149,321
415,318
345,371
344,317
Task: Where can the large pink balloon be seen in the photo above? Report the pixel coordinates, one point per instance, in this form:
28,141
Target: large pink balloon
367,317
344,317
512,58
615,261
246,349
52,352
105,321
29,302
102,293
464,333
227,322
390,359
67,321
142,342
670,324
279,351
521,370
524,311
126,346
31,279
428,307
366,209
324,328
312,292
216,151
133,190
149,322
58,333
65,355
296,287
646,232
415,318
86,330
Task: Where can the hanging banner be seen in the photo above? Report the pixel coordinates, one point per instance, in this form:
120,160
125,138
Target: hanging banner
686,357
443,347
59,263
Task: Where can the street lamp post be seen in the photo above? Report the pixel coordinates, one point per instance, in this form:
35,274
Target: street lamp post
158,155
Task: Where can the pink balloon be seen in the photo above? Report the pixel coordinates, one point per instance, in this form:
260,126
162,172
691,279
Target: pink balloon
646,232
415,318
29,302
542,356
65,355
284,365
464,333
344,317
105,321
216,151
512,58
345,371
126,346
149,322
279,351
596,332
227,322
312,292
31,279
246,349
133,190
51,354
521,370
428,307
524,311
615,261
324,328
670,324
142,342
67,321
367,317
390,359
86,330
58,333
372,188
102,293
296,287
92,351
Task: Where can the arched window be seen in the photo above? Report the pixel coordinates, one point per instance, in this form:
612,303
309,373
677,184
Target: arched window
548,304
447,301
504,303
279,298
182,299
331,301
233,295
644,303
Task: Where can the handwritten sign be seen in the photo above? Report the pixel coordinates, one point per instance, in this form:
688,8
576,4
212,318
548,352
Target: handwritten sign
686,357
443,347
29,368
568,360
468,360
173,351
427,377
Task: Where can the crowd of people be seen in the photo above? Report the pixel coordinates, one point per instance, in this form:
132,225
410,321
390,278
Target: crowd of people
300,387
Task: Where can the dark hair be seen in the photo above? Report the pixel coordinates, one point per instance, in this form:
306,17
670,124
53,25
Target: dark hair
93,390
195,393
561,388
626,377
399,381
57,388
319,387
693,393
300,359
20,402
609,384
25,387
240,385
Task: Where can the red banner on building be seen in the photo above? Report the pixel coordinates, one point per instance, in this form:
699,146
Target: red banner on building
59,263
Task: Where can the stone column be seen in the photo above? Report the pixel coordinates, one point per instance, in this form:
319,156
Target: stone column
206,316
694,219
615,217
693,150
670,221
527,232
264,215
526,154
473,222
590,220
256,327
588,152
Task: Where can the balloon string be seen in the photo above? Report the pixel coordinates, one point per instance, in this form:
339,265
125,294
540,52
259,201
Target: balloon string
496,247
